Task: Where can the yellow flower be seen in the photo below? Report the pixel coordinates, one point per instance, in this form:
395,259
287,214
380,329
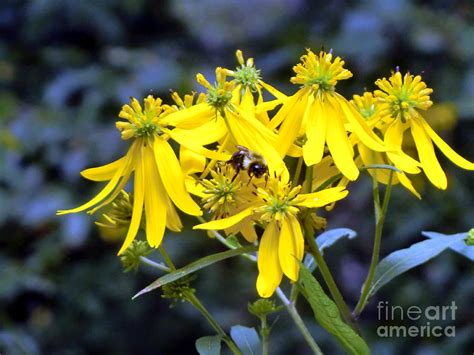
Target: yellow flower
227,122
320,113
158,179
248,80
282,244
376,116
403,97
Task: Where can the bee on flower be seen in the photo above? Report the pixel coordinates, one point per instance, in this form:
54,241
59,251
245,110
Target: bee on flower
278,206
403,97
158,179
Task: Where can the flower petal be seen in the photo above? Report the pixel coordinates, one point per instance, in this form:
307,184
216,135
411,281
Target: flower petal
370,157
155,199
173,178
358,125
225,222
269,269
190,161
127,163
188,142
313,149
427,156
393,141
338,143
104,172
286,109
173,222
204,134
444,147
138,199
278,94
405,181
291,125
323,197
290,247
190,117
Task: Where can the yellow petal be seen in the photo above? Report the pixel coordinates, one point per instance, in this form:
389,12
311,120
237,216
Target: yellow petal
188,142
190,117
444,147
173,222
129,161
290,247
323,197
104,172
405,181
338,143
393,140
247,103
313,149
427,156
248,231
226,222
173,178
370,157
155,199
138,199
358,125
278,94
206,133
190,161
291,125
269,269
288,107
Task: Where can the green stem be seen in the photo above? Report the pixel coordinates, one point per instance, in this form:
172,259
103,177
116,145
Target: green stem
327,276
379,221
299,165
264,332
290,307
194,300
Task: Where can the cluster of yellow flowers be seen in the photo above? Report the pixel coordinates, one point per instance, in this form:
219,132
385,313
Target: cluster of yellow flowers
235,147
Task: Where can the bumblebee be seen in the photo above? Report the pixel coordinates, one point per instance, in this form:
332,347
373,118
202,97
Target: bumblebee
252,162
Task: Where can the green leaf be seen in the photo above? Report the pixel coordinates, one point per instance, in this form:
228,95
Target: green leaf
459,247
325,240
209,345
403,260
246,339
328,316
195,266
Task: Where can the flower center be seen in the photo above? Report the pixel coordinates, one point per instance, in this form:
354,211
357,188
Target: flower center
279,199
403,96
219,94
141,122
248,77
222,193
320,72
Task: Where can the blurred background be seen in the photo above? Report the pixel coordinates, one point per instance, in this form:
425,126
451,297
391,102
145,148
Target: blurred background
67,66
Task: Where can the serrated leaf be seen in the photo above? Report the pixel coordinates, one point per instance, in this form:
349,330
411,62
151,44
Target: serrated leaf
459,247
195,266
246,339
328,316
403,260
209,345
325,240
